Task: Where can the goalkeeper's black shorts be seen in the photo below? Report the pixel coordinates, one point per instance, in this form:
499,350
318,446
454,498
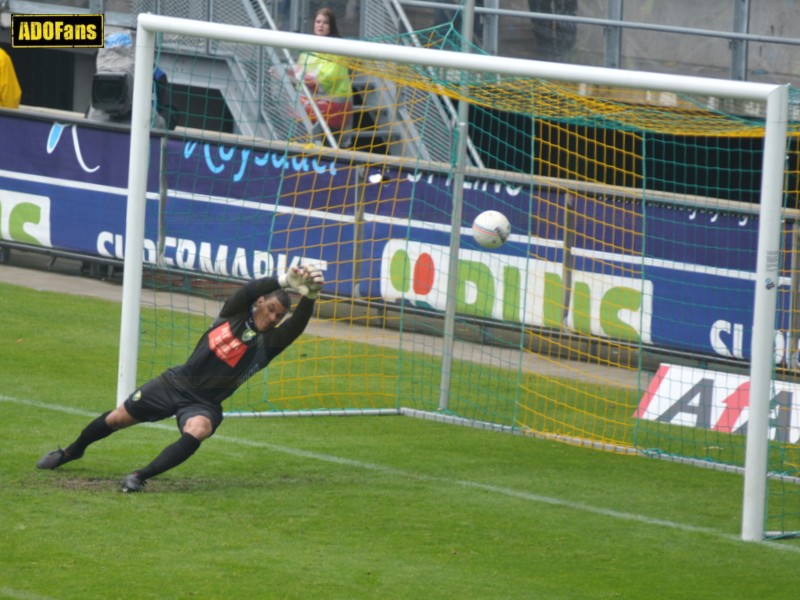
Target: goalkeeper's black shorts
155,401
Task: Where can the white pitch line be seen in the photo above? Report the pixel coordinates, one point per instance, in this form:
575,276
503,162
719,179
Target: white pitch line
7,592
394,472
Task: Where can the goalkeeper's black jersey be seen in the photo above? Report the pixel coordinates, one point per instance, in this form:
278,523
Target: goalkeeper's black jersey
232,351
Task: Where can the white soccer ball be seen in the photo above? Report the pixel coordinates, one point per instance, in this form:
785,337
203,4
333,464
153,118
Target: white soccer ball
491,229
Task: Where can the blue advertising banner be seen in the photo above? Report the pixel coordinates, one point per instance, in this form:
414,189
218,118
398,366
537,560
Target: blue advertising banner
61,186
672,277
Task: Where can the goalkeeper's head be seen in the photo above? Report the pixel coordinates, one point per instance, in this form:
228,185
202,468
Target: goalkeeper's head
269,310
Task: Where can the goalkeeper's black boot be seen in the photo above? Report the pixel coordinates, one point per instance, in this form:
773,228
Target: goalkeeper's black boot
54,459
132,483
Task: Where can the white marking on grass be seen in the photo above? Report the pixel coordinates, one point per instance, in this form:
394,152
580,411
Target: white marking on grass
400,473
8,592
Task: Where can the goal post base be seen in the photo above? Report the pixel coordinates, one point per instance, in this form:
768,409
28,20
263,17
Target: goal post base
375,412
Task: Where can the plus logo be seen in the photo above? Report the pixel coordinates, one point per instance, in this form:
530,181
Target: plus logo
518,290
25,218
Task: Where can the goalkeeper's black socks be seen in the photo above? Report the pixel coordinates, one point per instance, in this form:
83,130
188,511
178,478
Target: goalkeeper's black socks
170,457
93,432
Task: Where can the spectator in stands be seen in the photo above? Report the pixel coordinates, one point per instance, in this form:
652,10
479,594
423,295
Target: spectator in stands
554,39
326,79
445,18
165,109
10,92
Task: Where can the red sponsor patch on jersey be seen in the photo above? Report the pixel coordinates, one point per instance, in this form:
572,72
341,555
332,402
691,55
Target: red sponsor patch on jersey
225,345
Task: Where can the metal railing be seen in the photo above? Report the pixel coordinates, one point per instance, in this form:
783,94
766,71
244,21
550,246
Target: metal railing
608,34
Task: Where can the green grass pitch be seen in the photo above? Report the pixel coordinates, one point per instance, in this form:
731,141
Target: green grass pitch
340,507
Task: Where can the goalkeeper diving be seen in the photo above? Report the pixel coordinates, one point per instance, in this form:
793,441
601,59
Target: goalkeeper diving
242,340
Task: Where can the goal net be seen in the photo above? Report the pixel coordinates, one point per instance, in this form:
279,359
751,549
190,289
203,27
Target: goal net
644,303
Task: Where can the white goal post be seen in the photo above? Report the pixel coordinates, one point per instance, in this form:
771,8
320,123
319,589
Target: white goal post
775,98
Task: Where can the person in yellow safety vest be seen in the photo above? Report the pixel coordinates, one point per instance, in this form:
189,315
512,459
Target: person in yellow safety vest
327,79
10,92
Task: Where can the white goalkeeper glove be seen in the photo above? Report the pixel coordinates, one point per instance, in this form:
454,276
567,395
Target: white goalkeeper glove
307,280
293,278
312,282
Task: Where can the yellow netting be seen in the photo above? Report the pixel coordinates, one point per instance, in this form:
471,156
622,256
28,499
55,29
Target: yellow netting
616,107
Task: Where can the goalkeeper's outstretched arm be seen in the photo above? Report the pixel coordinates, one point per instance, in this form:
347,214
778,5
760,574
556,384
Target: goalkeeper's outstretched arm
307,280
